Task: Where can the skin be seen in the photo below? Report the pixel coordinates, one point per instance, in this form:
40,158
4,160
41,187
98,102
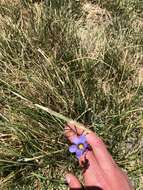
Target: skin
101,173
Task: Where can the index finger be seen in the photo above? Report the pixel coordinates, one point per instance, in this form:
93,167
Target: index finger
99,149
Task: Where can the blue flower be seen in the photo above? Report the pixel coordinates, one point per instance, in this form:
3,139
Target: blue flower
79,147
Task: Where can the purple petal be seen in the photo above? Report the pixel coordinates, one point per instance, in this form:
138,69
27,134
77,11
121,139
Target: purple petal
73,148
82,139
75,140
86,146
79,153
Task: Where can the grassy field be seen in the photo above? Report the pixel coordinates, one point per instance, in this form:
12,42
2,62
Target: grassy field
82,60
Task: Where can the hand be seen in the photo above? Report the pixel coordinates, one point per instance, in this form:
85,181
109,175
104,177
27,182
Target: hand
100,170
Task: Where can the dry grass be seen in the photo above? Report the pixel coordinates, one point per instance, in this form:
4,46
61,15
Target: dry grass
85,64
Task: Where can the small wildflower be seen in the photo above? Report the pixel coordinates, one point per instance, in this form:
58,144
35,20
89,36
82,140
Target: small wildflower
79,146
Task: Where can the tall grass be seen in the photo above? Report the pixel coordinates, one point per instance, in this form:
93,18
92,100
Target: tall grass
55,54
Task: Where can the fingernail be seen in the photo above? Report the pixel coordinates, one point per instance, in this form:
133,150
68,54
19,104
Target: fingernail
68,179
71,122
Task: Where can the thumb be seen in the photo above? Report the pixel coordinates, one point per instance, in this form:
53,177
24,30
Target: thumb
73,182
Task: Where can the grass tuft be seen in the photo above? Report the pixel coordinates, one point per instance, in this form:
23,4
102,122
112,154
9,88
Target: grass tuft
82,59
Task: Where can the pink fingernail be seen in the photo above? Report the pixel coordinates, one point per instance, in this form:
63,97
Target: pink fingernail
68,179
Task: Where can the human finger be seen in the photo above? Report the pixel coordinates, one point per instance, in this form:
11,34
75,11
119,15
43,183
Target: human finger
99,149
73,182
93,175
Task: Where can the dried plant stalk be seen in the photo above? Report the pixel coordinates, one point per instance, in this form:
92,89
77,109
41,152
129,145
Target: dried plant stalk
64,118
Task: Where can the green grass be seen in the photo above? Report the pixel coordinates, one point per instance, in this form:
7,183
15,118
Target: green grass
53,54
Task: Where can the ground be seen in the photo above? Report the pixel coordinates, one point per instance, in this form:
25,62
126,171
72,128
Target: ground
82,59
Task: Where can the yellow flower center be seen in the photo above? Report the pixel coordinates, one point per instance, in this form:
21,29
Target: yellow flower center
81,146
